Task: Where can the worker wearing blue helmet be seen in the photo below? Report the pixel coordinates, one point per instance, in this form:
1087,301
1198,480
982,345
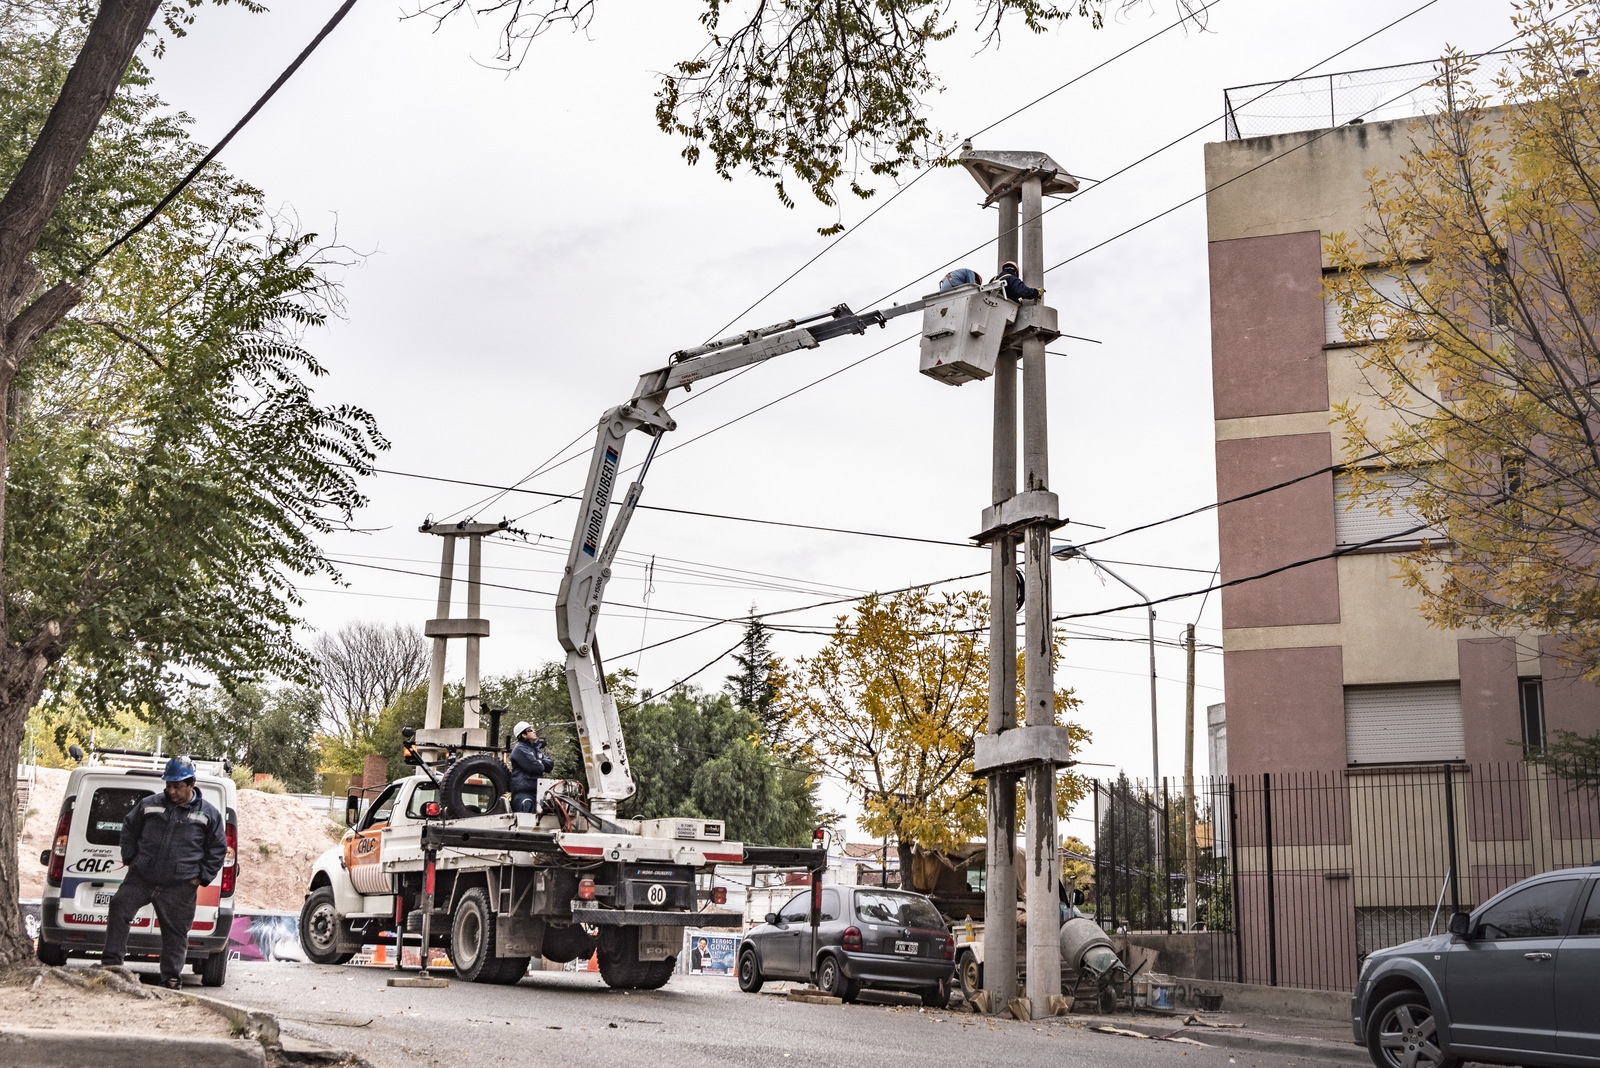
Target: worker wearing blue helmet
173,843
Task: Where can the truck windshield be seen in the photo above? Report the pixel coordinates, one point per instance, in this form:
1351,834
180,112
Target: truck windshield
905,910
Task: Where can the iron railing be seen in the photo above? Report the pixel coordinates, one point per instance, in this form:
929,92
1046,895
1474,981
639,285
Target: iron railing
1301,875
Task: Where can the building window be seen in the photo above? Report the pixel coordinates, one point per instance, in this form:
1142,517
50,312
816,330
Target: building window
1381,513
1387,290
1530,694
1414,723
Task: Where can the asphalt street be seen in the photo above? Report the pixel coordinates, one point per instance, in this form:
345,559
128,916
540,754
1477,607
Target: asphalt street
567,1018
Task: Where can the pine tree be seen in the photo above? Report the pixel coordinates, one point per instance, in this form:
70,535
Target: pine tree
752,689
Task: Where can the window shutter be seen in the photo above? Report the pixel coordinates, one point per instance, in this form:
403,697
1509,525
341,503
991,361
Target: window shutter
1360,520
1387,287
1404,724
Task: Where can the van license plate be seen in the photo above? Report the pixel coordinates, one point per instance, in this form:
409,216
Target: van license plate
102,898
908,948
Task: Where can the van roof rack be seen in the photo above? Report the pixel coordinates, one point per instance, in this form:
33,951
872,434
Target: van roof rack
144,760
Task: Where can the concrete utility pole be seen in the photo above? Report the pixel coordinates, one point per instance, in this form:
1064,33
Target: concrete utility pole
1189,880
1035,750
442,628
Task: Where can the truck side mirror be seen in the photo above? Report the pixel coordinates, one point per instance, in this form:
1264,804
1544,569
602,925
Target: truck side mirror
44,858
1078,897
1461,924
352,810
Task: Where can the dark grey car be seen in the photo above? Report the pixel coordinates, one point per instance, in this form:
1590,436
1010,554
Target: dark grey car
1515,982
886,939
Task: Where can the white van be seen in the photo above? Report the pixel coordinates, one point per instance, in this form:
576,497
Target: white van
86,866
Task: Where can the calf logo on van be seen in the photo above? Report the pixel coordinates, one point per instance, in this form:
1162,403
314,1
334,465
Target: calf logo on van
93,865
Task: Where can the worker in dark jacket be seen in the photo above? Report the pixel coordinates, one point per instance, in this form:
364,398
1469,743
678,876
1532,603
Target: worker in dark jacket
528,762
1016,289
173,843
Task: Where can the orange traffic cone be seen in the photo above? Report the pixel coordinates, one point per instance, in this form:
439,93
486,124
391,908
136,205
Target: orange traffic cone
594,962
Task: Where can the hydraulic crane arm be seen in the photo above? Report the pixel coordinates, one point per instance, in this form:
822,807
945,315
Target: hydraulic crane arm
589,558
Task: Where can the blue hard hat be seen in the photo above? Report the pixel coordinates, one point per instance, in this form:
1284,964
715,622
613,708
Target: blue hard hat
178,769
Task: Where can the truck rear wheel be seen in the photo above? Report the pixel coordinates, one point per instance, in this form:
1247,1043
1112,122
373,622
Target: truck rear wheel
621,967
970,971
319,928
472,939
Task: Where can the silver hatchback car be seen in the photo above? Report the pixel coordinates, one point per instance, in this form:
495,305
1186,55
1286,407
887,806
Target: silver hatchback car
1515,982
887,939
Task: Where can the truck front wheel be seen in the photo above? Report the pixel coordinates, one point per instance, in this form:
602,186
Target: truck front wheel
319,928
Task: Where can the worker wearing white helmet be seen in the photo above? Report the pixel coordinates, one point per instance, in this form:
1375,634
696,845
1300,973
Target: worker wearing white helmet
528,762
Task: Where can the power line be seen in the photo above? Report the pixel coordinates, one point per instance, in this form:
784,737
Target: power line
678,511
183,183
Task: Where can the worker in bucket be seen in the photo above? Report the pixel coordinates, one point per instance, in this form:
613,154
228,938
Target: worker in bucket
173,843
1016,289
961,276
528,762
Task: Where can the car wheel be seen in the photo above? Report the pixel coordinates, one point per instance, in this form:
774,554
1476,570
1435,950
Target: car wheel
1401,1033
750,977
970,971
937,997
319,928
832,981
50,953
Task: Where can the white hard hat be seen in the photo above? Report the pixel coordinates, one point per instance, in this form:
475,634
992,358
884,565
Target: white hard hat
521,728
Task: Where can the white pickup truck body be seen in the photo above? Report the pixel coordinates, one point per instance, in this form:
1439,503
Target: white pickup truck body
510,887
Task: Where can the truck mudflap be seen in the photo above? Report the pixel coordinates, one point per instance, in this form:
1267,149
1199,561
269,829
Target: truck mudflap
599,917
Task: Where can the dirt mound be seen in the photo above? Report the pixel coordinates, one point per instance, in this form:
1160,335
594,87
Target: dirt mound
279,838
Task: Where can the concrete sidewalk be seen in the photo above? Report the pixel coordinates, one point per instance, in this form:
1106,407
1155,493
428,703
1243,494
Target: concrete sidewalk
1312,1039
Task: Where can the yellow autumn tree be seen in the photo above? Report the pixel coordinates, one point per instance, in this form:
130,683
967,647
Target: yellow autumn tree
1475,289
892,703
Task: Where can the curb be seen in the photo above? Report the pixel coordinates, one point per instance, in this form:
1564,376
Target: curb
1236,1038
31,1047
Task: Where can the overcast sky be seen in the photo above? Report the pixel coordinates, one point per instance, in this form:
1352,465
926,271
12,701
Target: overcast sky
534,244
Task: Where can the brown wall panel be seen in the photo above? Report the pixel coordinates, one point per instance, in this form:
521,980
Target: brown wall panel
1489,708
1277,528
1570,703
1266,326
1285,710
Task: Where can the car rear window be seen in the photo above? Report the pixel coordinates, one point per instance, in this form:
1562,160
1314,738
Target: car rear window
905,910
107,810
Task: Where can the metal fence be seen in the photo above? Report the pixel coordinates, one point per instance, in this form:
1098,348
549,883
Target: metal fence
1372,95
1301,875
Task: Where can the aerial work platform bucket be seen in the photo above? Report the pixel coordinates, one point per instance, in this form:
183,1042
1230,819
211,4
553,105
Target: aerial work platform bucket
961,333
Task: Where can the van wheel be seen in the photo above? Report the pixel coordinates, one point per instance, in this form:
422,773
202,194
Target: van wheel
215,970
51,954
468,779
472,939
319,928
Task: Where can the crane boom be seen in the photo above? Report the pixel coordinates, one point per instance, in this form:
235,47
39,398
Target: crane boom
589,559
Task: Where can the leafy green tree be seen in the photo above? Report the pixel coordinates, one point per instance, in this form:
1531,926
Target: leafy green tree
697,755
892,704
752,689
167,471
272,731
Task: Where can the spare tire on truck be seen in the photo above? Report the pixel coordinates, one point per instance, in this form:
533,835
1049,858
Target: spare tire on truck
475,786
